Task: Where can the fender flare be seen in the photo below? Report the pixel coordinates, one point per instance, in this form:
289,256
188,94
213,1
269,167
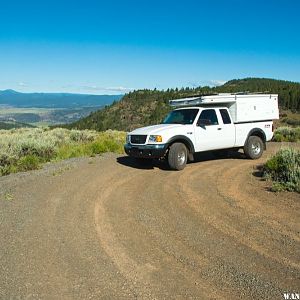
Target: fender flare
257,132
183,139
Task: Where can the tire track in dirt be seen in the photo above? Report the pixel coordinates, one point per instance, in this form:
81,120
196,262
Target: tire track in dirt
114,230
142,277
276,219
216,208
246,198
133,271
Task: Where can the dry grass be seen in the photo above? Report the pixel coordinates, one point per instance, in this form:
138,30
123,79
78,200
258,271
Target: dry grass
26,149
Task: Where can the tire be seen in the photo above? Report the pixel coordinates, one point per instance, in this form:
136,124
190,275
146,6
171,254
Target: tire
254,147
177,157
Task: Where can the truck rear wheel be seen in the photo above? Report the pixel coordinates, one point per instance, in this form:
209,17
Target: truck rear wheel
254,147
177,157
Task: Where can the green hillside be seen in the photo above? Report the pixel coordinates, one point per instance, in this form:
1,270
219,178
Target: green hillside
146,107
14,125
289,92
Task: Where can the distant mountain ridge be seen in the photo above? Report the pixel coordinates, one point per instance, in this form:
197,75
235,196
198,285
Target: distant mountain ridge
147,107
56,100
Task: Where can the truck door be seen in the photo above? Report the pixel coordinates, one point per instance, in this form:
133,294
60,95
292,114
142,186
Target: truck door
211,133
227,128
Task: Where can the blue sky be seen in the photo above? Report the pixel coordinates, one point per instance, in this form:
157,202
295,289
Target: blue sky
115,46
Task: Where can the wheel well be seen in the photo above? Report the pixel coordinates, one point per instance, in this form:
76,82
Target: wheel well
188,147
259,133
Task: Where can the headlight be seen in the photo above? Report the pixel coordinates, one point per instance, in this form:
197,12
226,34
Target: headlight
127,138
155,138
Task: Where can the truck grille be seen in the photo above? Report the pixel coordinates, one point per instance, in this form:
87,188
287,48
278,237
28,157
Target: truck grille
138,139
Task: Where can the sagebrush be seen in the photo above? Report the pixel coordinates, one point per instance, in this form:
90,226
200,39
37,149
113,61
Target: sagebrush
287,134
26,149
284,170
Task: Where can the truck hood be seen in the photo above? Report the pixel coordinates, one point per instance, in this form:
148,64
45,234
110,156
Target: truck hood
156,129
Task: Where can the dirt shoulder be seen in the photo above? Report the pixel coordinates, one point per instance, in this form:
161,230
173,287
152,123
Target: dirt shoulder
107,228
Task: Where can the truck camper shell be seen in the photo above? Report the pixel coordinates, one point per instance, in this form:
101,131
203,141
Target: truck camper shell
243,107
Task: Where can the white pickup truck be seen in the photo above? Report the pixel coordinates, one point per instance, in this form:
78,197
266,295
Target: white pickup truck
215,122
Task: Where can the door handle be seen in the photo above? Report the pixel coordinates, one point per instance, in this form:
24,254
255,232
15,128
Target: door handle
219,128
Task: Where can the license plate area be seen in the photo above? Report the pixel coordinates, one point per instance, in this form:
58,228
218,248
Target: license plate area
135,151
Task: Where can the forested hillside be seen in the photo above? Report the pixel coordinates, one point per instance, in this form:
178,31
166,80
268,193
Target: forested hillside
289,92
13,125
146,107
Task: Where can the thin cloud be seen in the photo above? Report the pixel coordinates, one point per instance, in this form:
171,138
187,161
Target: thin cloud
211,83
22,84
217,82
121,89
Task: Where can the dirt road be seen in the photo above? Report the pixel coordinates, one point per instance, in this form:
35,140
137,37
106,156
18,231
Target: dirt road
105,228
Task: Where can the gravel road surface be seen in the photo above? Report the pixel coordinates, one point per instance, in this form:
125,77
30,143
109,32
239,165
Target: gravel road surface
108,228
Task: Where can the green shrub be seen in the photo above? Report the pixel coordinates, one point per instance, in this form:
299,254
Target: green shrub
293,122
25,149
277,187
284,170
82,136
69,151
5,170
28,162
278,137
287,134
97,147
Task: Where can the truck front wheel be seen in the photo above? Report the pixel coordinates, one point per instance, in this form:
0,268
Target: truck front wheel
254,147
177,156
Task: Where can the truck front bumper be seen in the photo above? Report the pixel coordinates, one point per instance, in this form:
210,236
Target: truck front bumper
146,151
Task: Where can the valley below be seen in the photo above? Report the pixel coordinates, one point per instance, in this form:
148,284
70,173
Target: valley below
42,109
43,116
108,228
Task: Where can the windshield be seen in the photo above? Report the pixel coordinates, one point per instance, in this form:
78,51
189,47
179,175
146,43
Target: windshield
181,116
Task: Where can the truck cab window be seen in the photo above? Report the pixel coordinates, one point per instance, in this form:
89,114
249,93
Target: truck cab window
181,116
225,116
208,117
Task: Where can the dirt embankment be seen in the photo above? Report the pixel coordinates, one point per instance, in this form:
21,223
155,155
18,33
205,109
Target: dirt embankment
105,228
